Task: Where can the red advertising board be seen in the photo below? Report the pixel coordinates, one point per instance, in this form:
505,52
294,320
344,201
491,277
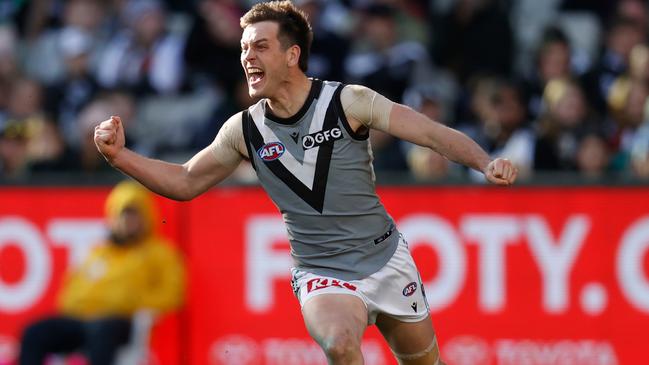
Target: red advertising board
42,232
525,276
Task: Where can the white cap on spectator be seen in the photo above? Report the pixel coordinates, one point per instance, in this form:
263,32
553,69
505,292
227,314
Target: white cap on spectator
74,42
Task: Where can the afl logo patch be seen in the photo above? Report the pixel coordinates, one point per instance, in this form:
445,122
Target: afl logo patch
271,151
410,289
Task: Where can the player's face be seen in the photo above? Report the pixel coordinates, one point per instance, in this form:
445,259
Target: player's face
263,59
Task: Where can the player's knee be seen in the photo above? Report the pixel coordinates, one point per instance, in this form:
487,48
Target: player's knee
341,347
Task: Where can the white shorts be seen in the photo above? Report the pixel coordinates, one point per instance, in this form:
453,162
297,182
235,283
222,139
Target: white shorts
395,290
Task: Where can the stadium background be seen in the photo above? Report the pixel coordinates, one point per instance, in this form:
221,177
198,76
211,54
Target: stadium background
553,271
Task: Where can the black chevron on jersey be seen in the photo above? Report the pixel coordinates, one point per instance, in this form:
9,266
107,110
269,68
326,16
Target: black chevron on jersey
313,196
246,121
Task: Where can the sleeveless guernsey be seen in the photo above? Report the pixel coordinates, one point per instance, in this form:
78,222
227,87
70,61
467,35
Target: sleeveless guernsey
319,173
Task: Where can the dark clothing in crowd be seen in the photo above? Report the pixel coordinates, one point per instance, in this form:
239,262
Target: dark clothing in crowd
101,338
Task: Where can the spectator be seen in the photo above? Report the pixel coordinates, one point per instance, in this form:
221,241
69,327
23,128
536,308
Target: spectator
640,151
412,23
565,119
626,101
622,36
474,37
601,8
381,60
501,126
639,63
45,54
28,138
553,61
212,47
144,58
329,50
66,98
385,63
637,10
593,155
133,270
82,55
12,137
8,64
13,150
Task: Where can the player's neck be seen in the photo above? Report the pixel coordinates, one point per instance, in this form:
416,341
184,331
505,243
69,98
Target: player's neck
290,98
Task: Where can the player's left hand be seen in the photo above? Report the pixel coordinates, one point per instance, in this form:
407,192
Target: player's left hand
501,171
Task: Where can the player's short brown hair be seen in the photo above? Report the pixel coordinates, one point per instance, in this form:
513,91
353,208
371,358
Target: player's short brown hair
294,27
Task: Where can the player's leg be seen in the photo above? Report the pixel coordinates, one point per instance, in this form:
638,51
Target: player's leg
398,296
337,323
413,343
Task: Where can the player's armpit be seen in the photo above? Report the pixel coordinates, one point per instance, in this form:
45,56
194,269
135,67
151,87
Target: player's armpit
366,106
228,147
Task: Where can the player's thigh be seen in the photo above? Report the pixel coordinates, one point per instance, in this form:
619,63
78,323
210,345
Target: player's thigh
330,317
414,343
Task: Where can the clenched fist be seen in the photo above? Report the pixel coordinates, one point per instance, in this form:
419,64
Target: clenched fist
109,137
501,171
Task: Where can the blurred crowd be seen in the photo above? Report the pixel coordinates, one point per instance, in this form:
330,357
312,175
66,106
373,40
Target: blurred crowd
554,85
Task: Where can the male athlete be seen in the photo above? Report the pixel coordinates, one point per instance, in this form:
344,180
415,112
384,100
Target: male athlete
307,140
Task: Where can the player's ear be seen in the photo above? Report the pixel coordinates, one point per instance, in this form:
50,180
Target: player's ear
293,55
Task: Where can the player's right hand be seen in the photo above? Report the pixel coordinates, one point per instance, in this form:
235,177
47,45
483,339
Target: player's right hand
109,137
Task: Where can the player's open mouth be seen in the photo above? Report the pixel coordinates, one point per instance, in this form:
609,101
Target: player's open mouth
255,75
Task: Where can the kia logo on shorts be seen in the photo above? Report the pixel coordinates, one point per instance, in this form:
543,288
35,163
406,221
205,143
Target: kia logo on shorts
410,289
271,151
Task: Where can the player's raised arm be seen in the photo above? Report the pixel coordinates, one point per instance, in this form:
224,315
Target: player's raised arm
175,181
366,108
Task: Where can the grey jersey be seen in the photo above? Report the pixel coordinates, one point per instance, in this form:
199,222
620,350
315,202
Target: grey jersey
318,172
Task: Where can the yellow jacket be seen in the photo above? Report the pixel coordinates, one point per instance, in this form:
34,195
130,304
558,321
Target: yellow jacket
120,280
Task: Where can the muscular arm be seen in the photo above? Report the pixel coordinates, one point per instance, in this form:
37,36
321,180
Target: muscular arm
366,108
414,127
175,181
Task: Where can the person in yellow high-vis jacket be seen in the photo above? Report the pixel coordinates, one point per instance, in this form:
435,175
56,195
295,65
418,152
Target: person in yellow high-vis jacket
135,269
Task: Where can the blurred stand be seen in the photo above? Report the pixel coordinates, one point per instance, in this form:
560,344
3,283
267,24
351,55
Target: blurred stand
171,69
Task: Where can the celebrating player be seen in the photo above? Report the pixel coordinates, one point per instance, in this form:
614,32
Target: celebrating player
308,142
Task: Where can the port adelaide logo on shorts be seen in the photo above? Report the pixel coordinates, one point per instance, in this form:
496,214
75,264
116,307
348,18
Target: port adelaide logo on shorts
271,151
410,289
317,139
